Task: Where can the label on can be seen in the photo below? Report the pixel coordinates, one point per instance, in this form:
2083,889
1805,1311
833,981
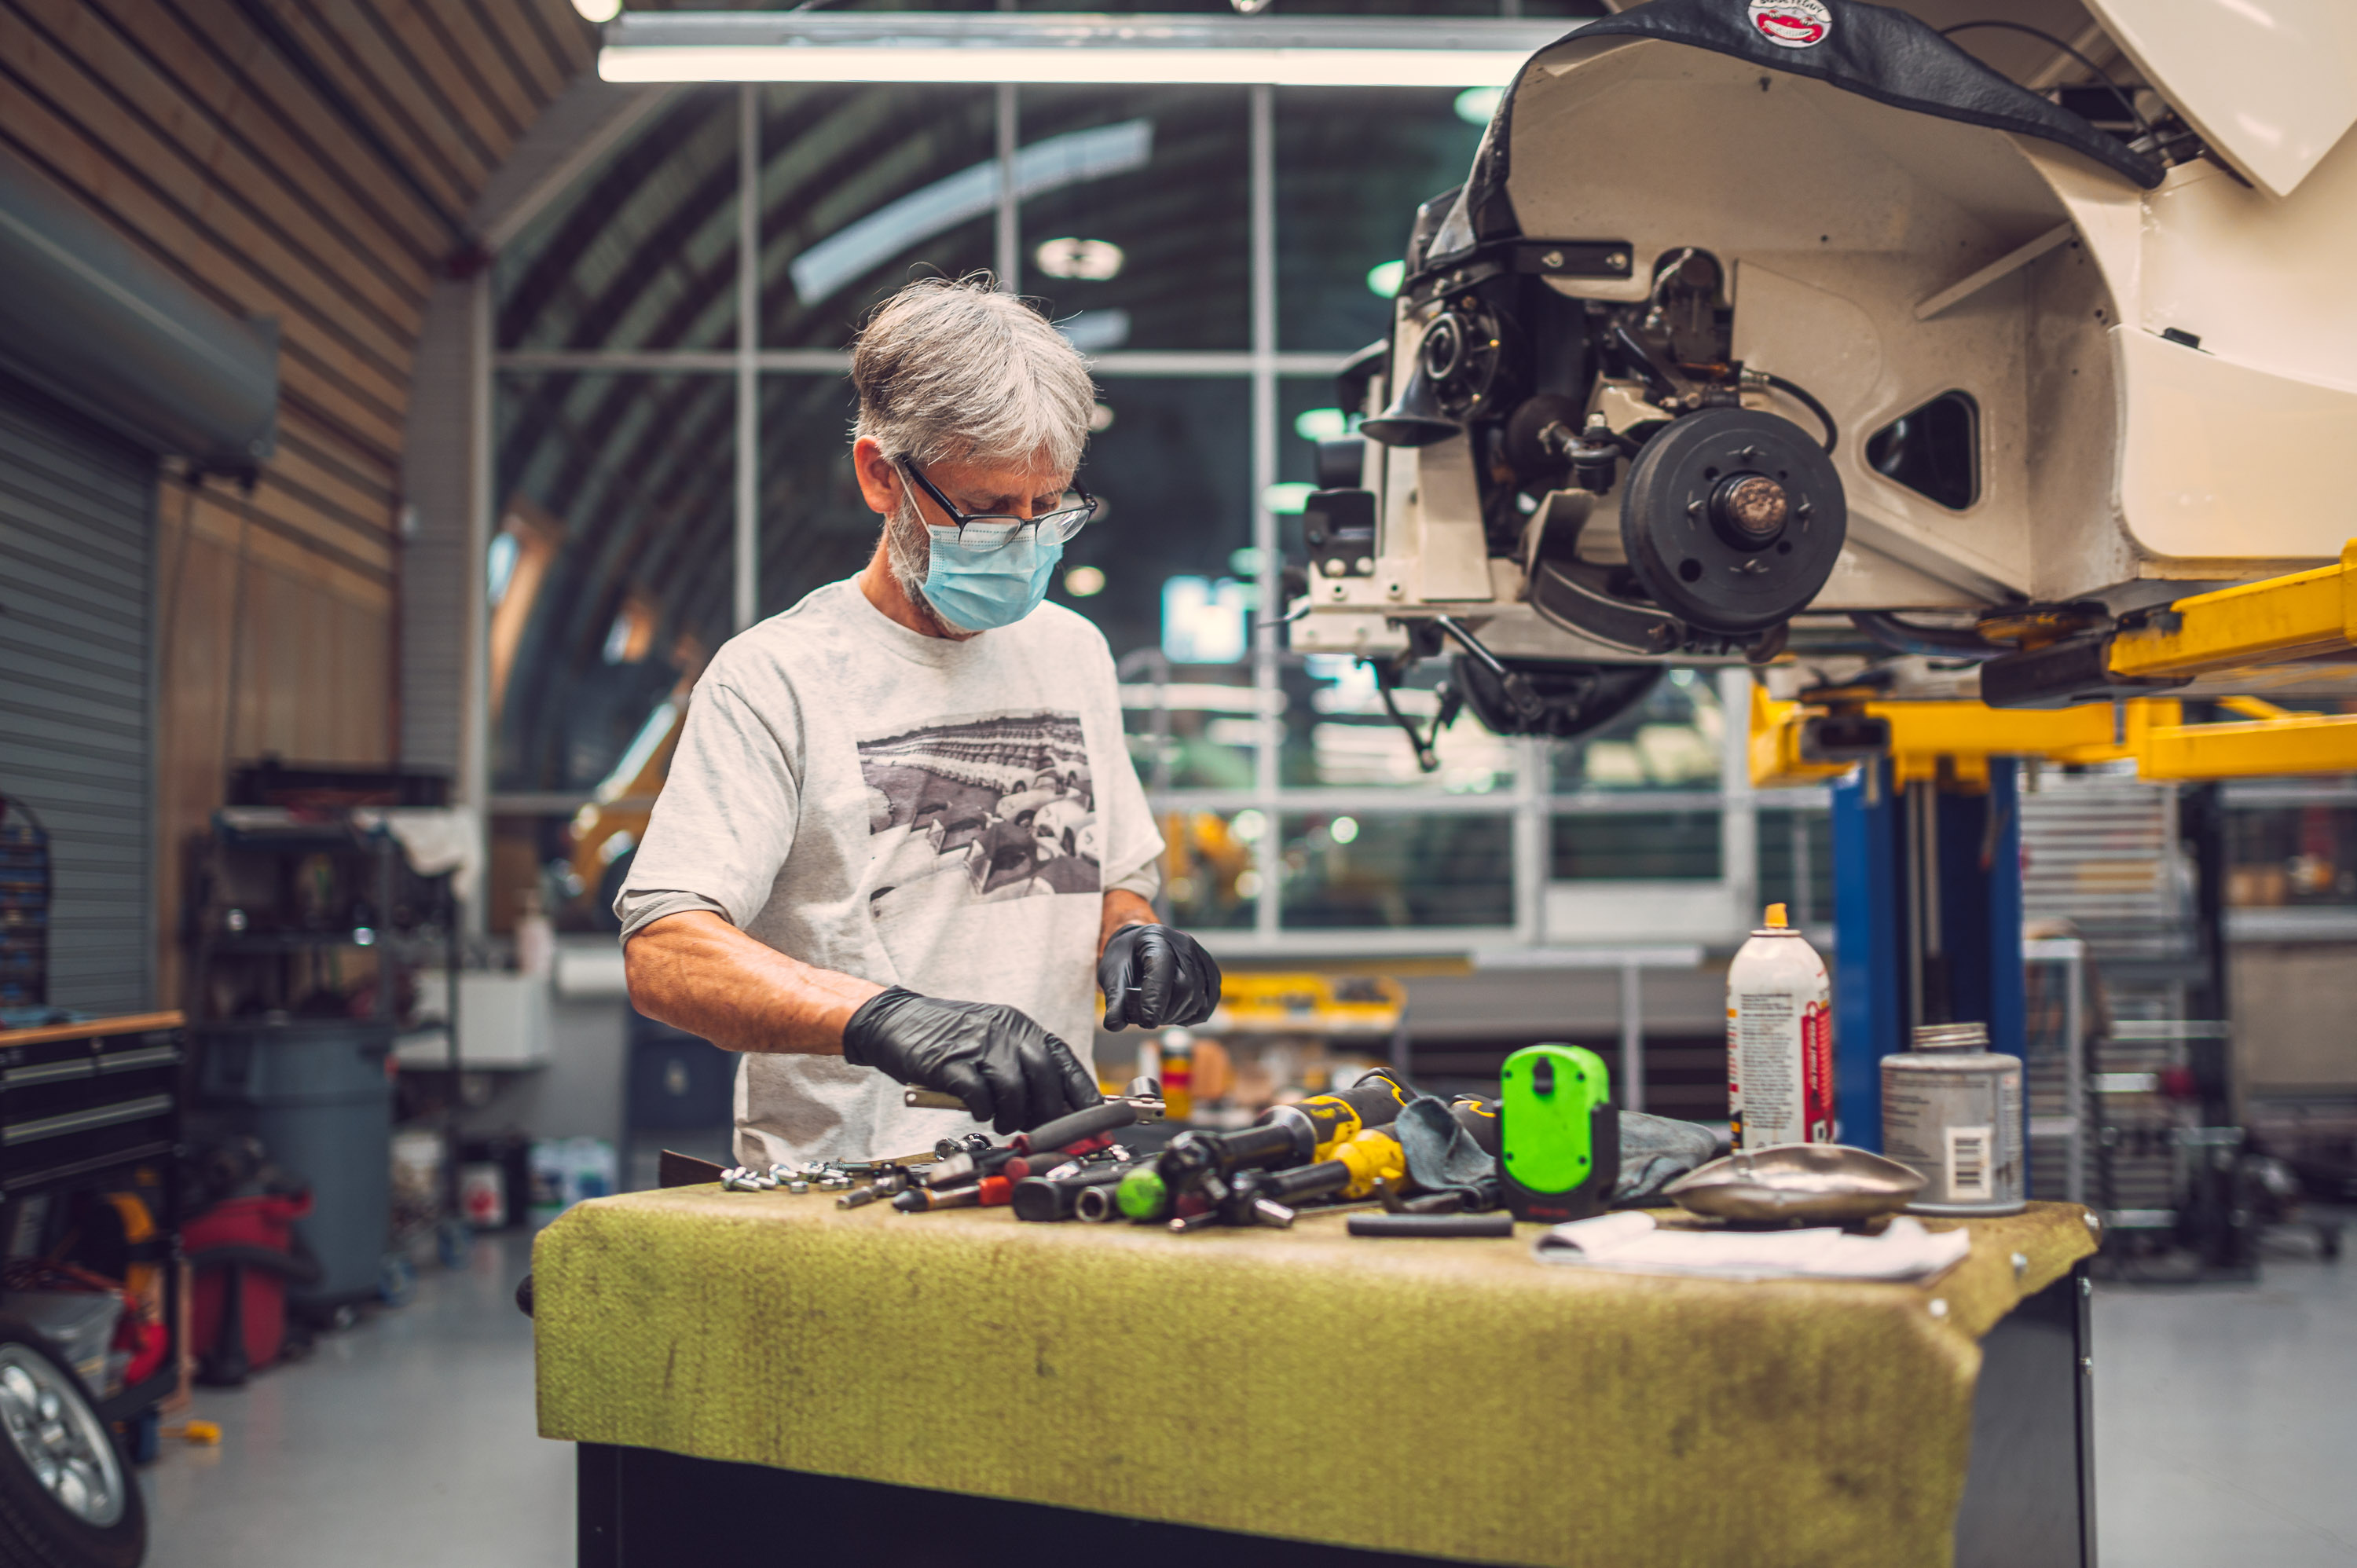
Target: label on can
1970,1175
1958,1121
1780,1058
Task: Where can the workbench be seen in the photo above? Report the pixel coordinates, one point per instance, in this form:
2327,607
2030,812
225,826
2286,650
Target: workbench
765,1372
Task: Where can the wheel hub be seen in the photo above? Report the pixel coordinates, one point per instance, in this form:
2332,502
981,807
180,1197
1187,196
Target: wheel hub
1732,520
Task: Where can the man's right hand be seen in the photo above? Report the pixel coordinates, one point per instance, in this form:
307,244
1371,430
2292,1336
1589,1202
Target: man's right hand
1009,1071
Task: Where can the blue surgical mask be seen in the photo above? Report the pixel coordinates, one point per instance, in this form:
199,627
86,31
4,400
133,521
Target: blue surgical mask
979,590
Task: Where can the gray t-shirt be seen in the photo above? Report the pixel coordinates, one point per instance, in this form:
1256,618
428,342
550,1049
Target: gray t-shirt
913,810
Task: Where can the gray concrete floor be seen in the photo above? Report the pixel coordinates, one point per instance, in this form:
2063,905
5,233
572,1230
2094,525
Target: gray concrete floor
408,1439
2226,1432
2226,1421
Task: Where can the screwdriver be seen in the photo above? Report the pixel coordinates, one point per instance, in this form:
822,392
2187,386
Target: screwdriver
990,1192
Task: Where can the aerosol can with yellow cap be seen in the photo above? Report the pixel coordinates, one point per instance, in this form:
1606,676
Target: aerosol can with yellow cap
1779,1039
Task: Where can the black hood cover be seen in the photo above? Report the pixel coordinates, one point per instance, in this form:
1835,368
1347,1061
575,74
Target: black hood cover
1871,51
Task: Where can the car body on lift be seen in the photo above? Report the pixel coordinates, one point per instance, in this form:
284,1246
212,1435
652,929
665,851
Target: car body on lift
1770,323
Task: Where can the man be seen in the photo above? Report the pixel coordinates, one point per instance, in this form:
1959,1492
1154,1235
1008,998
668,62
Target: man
902,836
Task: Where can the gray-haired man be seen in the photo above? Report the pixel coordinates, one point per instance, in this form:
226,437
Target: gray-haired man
901,822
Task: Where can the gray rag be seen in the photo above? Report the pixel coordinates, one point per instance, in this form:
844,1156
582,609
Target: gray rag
1443,1157
1654,1152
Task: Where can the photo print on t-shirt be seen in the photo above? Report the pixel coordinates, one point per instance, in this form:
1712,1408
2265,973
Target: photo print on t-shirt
987,807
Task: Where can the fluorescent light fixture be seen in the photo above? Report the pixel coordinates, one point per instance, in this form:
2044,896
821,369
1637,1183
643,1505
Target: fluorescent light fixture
1061,47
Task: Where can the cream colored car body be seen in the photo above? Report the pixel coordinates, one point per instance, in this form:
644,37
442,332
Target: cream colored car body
1881,257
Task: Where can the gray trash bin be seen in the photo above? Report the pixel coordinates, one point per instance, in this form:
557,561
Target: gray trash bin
317,1095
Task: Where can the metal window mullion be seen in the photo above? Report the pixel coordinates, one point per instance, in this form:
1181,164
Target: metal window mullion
1268,913
1113,366
749,388
1738,809
1007,233
475,744
1345,800
1533,862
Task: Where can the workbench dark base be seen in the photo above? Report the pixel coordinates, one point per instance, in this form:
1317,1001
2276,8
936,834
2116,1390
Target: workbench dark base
2029,1497
642,1507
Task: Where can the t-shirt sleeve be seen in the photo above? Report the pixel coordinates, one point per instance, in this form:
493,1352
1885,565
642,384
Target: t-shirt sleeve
724,820
1133,862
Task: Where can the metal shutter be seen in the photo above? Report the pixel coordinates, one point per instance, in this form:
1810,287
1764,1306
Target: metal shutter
75,716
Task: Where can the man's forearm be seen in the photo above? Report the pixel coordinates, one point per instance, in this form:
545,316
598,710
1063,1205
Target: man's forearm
695,972
1123,909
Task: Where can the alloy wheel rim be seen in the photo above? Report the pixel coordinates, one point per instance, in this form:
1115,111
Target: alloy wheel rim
60,1438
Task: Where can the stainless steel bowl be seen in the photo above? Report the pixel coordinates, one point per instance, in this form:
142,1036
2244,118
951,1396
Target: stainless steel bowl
1811,1183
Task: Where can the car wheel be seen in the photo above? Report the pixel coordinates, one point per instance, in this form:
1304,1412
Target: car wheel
67,1498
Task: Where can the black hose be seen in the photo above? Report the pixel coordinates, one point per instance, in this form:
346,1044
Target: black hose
2144,127
1802,396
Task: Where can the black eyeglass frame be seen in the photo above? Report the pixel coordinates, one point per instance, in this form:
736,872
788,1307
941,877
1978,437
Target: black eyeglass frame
959,520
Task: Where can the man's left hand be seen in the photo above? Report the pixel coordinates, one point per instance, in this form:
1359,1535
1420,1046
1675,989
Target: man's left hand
1153,976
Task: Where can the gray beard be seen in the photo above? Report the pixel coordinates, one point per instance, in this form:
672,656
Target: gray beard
909,550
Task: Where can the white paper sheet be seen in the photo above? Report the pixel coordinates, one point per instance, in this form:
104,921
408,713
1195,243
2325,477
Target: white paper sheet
1632,1242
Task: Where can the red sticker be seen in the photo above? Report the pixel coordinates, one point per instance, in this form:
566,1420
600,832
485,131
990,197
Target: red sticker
1792,23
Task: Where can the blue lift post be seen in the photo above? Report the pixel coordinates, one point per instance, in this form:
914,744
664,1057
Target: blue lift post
1892,969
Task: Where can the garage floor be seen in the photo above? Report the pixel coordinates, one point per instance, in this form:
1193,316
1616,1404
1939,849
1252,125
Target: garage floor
408,1440
2227,1417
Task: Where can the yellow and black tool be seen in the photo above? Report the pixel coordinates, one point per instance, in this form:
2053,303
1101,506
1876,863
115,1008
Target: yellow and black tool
1305,1133
1373,1156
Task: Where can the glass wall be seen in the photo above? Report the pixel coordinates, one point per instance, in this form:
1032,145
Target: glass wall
664,415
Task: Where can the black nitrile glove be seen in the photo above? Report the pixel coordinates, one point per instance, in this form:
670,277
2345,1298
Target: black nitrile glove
1153,976
1009,1071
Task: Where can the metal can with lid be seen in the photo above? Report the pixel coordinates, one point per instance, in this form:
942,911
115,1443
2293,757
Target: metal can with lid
1951,1109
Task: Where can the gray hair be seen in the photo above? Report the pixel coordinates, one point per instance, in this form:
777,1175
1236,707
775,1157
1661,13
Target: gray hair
948,372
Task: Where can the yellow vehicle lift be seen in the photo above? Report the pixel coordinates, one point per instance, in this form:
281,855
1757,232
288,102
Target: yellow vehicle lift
2255,636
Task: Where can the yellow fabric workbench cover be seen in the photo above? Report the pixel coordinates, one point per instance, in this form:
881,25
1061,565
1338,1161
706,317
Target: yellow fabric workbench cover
1453,1398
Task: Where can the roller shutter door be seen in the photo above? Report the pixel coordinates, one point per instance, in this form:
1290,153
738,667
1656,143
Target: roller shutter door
75,715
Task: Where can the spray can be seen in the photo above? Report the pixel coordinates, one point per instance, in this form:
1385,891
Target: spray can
1779,1039
1952,1108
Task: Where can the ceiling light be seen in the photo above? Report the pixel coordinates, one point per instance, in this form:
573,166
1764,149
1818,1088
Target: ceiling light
1084,581
1090,261
1046,46
599,11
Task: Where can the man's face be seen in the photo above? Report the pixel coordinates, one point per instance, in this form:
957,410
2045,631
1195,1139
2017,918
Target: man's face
973,486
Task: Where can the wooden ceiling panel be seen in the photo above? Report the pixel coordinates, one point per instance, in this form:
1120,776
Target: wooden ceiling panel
311,160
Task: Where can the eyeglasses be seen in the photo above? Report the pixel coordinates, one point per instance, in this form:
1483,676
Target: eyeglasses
995,530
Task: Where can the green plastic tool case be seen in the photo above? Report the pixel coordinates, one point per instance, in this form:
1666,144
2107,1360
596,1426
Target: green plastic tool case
1559,1133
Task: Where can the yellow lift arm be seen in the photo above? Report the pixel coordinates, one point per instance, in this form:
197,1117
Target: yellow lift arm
1954,741
2245,635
